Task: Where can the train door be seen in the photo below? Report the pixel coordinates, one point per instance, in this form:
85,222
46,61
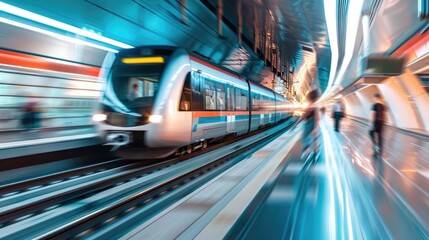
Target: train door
197,105
230,117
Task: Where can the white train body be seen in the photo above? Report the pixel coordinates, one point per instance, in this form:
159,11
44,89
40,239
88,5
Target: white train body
182,101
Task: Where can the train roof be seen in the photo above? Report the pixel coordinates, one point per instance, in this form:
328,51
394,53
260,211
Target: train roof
148,51
209,61
168,50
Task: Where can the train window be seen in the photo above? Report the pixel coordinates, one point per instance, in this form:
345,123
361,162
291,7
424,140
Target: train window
245,100
220,97
265,102
134,88
238,99
230,102
196,81
241,97
186,99
209,94
256,102
197,96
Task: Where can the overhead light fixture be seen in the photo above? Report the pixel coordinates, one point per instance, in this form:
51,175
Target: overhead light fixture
59,25
331,22
143,60
56,35
353,19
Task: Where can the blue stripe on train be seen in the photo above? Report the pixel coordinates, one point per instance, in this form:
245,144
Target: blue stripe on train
242,117
217,119
203,120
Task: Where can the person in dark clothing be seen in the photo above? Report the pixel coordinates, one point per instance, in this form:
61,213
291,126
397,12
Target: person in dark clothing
30,115
338,114
322,110
311,117
378,120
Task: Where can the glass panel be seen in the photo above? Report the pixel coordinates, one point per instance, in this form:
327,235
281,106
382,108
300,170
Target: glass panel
238,99
135,87
230,98
256,104
220,97
197,97
185,100
209,95
244,100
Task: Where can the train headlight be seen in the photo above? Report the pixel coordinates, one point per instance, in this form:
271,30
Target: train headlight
99,117
155,118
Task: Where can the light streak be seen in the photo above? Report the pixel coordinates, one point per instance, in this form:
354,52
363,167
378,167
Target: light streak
331,22
59,25
55,35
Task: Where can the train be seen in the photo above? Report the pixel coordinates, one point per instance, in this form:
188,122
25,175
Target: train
161,100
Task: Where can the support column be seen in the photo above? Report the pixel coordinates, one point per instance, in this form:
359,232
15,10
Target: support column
255,28
240,22
184,18
219,16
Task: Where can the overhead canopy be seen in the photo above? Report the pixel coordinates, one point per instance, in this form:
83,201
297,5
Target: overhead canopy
267,41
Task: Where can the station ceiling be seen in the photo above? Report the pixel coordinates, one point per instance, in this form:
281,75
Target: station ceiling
286,32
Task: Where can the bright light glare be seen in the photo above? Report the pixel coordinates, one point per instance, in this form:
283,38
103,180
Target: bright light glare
331,22
155,118
99,117
353,13
56,24
55,35
143,60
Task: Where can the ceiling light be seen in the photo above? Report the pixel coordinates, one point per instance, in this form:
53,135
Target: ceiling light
55,35
60,25
354,14
331,22
143,60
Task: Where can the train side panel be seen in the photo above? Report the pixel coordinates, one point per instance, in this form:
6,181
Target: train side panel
218,114
281,108
175,127
263,107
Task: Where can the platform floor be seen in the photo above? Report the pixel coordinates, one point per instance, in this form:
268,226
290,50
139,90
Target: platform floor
25,143
349,193
22,135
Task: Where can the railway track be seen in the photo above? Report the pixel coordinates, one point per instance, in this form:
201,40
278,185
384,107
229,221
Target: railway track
76,202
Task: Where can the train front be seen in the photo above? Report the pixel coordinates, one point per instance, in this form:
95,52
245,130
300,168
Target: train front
140,92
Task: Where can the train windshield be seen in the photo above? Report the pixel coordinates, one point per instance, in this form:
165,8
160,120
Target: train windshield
136,86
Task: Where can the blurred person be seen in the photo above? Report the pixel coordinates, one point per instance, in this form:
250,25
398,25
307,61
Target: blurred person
322,110
378,119
134,92
311,118
31,116
337,114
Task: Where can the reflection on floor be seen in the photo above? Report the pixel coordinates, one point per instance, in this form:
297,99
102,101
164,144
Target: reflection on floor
17,136
349,193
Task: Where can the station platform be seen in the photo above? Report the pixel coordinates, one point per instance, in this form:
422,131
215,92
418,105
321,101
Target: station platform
22,143
350,193
342,192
